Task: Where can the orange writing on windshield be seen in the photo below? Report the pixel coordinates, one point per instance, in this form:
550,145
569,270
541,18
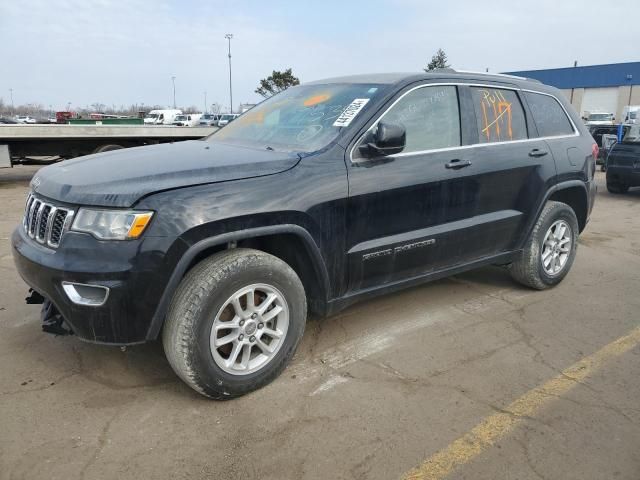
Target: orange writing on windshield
496,114
316,99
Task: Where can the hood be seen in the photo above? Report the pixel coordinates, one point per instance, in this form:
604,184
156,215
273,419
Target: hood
120,177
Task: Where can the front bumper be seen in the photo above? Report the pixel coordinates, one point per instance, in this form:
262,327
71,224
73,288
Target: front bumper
135,272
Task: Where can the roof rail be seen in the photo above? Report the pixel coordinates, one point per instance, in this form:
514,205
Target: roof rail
506,75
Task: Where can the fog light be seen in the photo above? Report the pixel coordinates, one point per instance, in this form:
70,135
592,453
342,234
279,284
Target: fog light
84,294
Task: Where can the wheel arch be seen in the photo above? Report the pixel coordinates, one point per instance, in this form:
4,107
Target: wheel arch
289,242
574,194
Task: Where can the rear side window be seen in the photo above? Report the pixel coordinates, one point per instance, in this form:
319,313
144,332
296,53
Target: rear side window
430,116
499,115
549,115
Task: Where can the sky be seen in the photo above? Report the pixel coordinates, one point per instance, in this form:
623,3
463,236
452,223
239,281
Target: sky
124,52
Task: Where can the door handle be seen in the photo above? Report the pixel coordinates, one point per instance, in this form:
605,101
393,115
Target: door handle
537,152
457,164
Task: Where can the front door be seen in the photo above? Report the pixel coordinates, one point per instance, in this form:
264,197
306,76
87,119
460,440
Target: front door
404,209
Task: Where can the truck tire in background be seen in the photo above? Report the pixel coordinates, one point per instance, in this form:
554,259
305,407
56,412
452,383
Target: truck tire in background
107,148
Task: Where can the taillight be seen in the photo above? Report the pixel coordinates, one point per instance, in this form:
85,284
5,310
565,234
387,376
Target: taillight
595,151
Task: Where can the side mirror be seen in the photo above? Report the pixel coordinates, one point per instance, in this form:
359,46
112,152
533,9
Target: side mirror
388,139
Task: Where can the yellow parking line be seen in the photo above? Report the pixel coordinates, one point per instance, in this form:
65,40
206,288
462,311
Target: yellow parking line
496,426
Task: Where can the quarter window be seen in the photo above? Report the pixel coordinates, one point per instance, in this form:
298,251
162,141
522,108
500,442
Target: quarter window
430,116
549,116
499,113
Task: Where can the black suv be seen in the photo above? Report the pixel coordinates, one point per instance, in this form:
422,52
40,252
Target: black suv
323,195
623,162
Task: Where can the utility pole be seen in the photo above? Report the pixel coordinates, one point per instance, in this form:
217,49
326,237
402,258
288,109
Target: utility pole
229,36
12,107
173,79
205,103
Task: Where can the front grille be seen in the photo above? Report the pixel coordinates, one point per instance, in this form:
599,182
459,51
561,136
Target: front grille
45,222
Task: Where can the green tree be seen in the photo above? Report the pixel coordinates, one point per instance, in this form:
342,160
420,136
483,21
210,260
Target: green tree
277,82
439,60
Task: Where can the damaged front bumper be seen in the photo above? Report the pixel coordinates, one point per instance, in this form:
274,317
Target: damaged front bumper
91,288
51,319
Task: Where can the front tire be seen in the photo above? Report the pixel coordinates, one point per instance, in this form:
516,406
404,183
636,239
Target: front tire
234,322
550,250
616,187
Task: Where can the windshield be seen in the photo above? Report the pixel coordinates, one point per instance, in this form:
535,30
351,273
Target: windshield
181,117
600,116
152,115
304,118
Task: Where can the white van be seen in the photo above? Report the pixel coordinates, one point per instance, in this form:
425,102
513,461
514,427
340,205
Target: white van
161,117
226,118
631,114
187,119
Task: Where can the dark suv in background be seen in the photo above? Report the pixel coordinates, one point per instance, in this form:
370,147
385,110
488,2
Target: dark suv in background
323,195
623,162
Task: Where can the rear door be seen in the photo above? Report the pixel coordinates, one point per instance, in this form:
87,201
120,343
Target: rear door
554,125
513,169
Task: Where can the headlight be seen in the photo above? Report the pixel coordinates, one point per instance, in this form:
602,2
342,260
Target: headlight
111,224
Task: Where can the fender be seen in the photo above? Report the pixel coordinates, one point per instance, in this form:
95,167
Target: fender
184,262
554,188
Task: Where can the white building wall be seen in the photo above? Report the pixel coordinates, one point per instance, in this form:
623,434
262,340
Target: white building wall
603,100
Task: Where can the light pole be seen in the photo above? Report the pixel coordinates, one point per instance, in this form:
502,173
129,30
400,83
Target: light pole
12,107
205,102
173,79
229,36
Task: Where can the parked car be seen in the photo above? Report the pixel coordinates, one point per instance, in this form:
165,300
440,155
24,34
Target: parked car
599,118
209,120
623,162
597,131
322,195
25,119
226,118
7,121
187,120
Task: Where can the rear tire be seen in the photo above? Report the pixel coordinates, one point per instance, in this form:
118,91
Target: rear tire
107,148
550,250
210,319
615,187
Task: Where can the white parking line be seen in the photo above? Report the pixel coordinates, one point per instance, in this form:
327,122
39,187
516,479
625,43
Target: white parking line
329,384
364,346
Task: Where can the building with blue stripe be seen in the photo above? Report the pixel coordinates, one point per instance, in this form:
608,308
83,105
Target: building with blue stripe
605,88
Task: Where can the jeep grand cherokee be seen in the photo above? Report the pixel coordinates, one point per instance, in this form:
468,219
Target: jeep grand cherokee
322,195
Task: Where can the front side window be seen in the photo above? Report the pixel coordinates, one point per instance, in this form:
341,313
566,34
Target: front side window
499,113
430,116
549,116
